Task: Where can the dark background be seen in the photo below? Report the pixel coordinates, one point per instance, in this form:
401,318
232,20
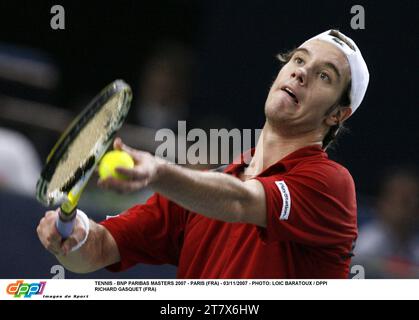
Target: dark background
235,44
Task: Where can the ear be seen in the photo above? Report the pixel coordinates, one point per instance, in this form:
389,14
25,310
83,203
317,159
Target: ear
338,116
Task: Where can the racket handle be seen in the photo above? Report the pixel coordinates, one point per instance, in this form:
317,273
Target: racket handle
65,223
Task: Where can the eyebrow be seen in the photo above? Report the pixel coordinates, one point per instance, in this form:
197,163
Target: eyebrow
327,64
333,67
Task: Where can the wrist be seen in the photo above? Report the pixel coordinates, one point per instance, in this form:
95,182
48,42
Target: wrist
160,169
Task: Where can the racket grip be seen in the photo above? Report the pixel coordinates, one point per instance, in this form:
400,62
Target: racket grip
65,223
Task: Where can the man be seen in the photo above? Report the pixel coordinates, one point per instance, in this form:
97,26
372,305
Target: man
290,214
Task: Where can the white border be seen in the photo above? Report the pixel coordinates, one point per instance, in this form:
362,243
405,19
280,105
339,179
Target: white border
176,289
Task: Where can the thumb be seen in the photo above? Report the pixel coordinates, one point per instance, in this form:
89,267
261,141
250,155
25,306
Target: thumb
117,144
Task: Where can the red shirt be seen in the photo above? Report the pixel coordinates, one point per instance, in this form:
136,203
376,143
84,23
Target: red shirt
311,227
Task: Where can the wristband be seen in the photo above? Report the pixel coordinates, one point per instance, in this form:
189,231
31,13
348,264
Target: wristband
85,225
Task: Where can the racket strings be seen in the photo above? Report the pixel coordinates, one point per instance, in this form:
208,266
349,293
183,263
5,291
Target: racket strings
82,153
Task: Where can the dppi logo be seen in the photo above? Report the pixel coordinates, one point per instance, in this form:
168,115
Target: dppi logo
19,288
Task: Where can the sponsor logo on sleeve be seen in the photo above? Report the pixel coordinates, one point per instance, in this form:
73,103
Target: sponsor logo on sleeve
286,199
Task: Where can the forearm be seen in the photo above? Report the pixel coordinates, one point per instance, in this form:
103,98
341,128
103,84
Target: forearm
213,194
90,256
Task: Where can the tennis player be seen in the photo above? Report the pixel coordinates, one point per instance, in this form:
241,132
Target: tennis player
290,213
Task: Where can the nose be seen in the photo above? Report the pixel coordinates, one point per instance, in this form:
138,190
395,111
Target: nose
300,74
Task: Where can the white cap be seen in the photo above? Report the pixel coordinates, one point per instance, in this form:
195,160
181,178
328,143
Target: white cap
359,71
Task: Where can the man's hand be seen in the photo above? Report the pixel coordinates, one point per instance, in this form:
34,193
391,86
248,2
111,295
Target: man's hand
51,239
144,172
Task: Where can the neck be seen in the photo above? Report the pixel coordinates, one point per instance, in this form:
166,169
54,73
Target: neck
274,146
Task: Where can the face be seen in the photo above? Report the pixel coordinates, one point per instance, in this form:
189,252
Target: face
306,87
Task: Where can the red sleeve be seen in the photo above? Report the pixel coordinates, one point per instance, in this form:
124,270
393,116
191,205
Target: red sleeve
151,233
313,205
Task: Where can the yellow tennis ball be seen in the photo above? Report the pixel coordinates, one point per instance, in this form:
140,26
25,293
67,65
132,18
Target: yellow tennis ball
112,160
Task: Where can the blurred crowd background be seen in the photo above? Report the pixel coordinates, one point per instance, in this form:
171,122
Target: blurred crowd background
210,63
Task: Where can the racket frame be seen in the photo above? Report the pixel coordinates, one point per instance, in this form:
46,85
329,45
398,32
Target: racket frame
68,199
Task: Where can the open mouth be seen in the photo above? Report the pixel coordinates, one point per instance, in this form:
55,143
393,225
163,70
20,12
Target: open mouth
290,93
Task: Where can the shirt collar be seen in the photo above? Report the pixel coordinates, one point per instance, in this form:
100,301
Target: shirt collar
283,165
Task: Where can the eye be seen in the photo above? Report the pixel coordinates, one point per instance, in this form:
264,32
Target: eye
298,61
324,76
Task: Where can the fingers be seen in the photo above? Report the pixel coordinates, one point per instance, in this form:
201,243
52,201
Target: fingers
52,240
48,234
119,145
137,178
78,235
133,174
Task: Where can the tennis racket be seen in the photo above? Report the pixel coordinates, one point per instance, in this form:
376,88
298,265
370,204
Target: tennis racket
78,151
